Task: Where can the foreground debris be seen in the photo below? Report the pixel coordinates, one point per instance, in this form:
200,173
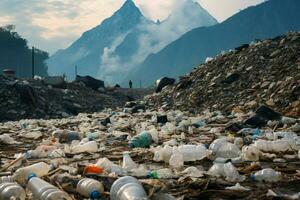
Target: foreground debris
264,72
172,155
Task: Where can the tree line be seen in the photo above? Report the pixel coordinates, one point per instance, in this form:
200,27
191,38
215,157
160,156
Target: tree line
16,55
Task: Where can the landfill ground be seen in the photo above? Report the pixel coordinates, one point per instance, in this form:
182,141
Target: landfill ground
187,141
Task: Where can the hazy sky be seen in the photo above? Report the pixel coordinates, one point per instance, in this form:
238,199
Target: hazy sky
55,24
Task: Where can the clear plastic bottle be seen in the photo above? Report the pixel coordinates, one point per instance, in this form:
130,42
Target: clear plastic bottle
127,188
143,140
43,190
109,166
128,163
164,173
266,175
85,147
39,169
11,191
176,160
273,146
90,188
193,152
227,171
6,179
163,154
224,149
250,153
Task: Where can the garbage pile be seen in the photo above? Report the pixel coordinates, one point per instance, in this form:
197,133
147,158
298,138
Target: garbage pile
264,72
144,154
52,97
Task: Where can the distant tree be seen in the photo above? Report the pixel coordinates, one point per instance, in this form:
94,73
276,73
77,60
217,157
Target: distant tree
15,54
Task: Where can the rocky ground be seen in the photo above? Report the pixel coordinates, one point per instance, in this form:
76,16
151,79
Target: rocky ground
264,72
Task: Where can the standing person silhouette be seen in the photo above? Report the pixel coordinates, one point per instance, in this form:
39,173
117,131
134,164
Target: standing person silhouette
130,84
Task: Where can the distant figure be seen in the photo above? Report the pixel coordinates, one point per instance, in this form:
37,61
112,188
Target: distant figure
130,84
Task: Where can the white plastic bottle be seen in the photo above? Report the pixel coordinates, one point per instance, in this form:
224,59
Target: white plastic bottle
266,175
227,171
85,147
163,154
224,149
127,188
90,188
193,152
6,179
43,190
39,169
128,163
11,191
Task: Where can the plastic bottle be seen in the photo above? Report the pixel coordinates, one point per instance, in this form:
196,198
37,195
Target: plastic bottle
266,175
92,169
250,153
6,179
66,136
161,174
85,147
43,190
11,191
273,146
41,151
224,149
109,166
193,152
90,188
128,163
127,188
176,160
227,171
163,154
143,140
39,169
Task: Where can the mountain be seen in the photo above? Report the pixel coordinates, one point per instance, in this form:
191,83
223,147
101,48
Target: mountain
269,19
87,50
119,44
16,55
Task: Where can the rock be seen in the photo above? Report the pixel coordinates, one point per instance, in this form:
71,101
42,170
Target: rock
161,83
90,82
231,78
162,119
267,113
256,121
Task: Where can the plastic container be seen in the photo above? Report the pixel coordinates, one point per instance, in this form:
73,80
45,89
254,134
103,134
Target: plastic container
250,153
11,191
282,145
128,163
43,190
142,140
93,169
266,175
161,174
176,160
127,188
6,179
85,147
109,166
227,171
39,169
90,188
224,149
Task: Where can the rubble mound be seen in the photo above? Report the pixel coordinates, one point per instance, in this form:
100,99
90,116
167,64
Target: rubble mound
21,99
263,72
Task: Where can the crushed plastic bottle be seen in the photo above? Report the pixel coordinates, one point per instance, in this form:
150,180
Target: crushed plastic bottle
176,160
224,149
85,147
6,179
273,146
43,190
109,166
42,151
164,173
227,171
39,169
128,163
266,175
11,191
250,153
163,154
127,188
143,140
90,188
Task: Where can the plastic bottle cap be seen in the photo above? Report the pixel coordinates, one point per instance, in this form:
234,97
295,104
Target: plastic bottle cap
252,177
95,195
31,176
